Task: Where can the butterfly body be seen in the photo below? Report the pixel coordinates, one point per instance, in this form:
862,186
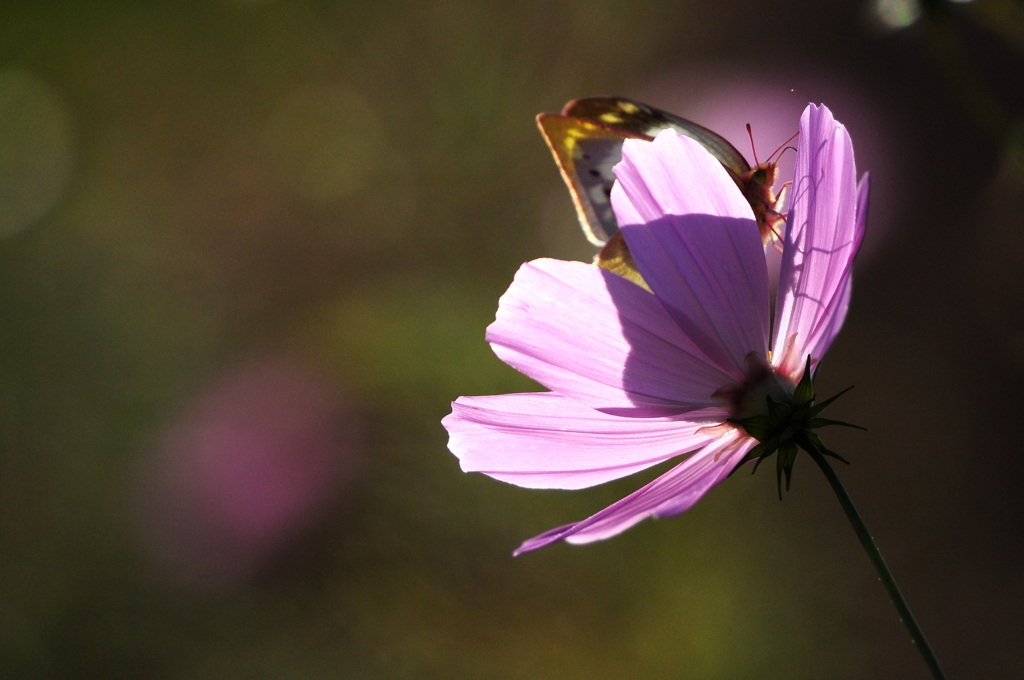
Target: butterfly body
757,186
586,141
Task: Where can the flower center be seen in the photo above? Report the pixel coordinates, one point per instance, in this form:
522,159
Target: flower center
762,382
781,416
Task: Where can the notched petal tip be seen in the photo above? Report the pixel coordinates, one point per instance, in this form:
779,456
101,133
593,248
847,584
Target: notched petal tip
695,242
825,231
673,175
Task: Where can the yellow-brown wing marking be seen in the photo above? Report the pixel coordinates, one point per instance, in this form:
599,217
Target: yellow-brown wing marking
638,118
586,141
616,258
586,152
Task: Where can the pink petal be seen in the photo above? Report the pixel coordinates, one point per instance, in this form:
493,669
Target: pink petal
602,340
696,243
671,493
545,441
831,329
825,227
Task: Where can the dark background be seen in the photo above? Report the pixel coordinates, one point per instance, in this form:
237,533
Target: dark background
249,251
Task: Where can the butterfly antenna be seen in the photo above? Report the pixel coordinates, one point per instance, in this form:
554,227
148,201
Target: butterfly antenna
783,147
750,133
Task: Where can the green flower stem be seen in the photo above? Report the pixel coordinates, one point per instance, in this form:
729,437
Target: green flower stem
916,634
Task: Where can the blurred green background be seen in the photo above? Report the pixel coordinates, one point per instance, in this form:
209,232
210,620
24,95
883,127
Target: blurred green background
249,250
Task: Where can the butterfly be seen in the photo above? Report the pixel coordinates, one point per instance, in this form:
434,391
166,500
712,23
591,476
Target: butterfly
586,141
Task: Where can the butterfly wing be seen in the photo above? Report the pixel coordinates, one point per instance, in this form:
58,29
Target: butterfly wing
586,141
641,119
586,151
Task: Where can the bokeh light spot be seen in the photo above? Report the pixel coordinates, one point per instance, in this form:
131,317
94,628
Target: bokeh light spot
36,150
897,14
243,471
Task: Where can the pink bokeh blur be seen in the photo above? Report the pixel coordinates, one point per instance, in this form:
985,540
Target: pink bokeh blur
727,97
248,466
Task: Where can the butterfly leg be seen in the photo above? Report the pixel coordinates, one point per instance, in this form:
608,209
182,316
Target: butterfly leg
780,200
774,215
773,219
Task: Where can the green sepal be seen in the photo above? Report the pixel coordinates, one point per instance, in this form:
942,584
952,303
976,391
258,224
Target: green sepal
804,392
788,426
784,464
770,447
751,455
815,423
759,427
812,440
819,407
833,454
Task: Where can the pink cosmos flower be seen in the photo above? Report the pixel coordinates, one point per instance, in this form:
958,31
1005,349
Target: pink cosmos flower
636,377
